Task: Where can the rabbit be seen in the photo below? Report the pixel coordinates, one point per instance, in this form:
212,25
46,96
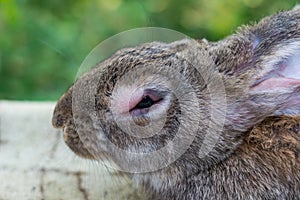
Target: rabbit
156,100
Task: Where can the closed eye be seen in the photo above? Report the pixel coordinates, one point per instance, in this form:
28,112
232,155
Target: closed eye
146,102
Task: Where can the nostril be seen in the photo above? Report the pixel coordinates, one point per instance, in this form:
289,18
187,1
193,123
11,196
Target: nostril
58,121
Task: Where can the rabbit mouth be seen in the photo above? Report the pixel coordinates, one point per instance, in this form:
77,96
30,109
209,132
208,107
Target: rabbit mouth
73,141
63,119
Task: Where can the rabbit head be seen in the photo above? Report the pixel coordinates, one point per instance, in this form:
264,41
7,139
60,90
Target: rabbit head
153,105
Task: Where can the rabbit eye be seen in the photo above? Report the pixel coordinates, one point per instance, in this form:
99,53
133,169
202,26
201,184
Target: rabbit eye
149,99
146,102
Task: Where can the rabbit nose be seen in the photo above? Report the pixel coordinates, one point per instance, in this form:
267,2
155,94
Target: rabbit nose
63,110
57,121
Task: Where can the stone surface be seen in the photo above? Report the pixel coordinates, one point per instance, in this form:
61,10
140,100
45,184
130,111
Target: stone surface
36,164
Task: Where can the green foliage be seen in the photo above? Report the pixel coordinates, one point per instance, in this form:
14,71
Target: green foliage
43,42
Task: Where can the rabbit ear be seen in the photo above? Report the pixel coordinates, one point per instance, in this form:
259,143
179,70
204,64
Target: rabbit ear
282,71
276,60
266,84
278,78
272,56
261,66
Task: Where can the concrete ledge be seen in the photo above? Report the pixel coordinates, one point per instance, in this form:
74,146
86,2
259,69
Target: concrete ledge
36,164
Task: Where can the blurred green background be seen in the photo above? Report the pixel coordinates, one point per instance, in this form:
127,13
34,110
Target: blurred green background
43,42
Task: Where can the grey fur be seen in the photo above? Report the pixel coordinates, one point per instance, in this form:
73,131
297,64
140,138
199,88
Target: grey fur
241,165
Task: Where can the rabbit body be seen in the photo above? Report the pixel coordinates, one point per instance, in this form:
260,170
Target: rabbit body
265,166
256,155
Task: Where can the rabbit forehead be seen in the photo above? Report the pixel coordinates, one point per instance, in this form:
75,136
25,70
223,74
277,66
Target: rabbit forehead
158,58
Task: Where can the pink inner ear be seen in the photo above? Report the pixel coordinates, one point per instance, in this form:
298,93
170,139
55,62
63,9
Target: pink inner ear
280,86
286,75
292,68
277,83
